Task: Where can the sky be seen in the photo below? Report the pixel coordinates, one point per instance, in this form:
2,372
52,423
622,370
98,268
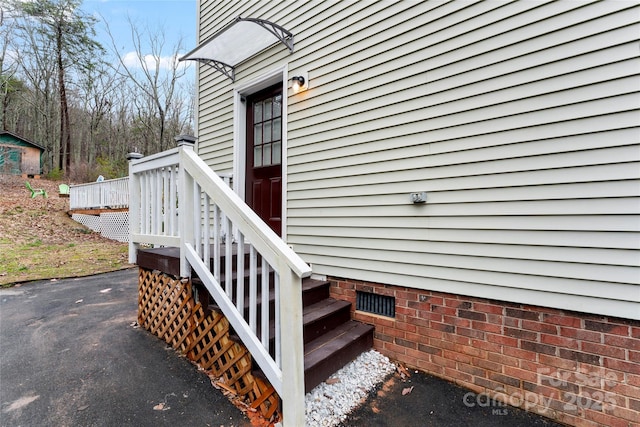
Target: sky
177,19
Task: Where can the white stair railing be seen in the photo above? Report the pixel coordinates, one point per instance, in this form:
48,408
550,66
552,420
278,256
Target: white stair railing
177,200
153,201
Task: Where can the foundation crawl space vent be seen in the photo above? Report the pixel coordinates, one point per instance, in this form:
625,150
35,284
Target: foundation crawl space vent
376,304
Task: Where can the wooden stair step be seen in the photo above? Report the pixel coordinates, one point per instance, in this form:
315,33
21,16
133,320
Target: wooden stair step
323,316
331,351
167,259
314,290
317,319
331,339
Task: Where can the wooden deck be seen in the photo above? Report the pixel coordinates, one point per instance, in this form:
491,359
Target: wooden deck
94,211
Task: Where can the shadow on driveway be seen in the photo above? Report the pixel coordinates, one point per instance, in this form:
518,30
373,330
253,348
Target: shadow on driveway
71,355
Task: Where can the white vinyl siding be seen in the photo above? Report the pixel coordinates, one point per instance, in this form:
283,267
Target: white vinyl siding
521,121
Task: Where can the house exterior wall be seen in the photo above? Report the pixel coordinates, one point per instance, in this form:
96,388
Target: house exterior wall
519,120
582,370
216,96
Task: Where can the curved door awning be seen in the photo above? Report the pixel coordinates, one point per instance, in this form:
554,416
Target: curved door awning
237,42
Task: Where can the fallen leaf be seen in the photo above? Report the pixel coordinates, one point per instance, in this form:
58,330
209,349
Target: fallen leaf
159,407
226,387
82,408
332,381
403,371
407,390
104,291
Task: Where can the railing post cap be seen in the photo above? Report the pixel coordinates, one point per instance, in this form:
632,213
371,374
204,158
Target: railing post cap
134,156
185,140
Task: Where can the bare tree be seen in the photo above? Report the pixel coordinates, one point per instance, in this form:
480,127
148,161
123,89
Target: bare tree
8,66
156,77
85,112
34,110
74,47
97,92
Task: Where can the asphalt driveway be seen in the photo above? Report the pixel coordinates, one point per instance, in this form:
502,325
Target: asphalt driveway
71,355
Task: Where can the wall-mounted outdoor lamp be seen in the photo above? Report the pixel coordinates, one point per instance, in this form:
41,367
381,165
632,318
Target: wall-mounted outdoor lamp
420,197
299,82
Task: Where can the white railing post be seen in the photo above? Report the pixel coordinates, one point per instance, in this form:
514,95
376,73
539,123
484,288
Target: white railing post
73,197
186,202
292,349
134,207
102,195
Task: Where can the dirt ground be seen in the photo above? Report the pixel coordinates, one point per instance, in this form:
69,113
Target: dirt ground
38,239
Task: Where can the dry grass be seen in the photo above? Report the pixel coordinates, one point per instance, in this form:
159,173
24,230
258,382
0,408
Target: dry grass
38,240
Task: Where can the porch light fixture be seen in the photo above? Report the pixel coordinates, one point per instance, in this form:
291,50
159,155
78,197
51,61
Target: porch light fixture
299,82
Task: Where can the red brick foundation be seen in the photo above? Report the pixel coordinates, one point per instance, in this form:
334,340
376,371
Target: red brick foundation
576,368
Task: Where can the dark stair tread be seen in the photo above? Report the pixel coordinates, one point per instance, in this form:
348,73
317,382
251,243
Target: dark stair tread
168,251
313,313
314,290
309,284
332,351
245,274
323,309
334,340
174,252
167,259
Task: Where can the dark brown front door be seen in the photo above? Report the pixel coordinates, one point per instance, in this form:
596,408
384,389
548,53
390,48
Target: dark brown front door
264,155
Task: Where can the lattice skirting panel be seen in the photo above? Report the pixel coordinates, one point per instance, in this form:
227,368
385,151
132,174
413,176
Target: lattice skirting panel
115,225
90,221
112,225
167,309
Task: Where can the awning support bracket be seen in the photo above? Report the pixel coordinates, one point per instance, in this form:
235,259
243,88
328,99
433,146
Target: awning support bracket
225,69
285,37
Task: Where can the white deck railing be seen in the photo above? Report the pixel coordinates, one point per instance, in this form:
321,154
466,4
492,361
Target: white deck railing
177,200
112,193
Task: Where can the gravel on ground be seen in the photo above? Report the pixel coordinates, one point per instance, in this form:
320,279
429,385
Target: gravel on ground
330,402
